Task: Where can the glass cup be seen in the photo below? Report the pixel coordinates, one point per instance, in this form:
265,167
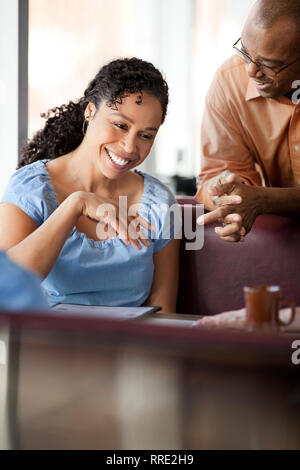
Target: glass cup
263,308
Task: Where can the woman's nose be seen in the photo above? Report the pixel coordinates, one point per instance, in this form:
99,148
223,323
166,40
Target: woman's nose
129,143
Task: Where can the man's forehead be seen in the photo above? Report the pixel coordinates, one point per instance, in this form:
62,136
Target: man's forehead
278,42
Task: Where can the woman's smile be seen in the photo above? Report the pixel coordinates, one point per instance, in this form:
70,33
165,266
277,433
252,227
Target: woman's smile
121,138
116,161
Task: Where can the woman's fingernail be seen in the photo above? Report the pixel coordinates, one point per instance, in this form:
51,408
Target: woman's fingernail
200,220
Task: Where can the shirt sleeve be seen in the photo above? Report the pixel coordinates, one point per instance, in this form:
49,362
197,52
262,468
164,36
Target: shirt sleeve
28,189
222,144
166,218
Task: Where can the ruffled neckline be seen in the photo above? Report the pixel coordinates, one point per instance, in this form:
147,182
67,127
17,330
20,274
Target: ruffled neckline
148,190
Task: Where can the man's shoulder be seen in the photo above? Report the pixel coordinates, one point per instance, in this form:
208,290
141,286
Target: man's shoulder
231,68
231,79
232,63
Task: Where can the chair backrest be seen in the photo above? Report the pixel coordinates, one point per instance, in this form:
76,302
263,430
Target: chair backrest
212,279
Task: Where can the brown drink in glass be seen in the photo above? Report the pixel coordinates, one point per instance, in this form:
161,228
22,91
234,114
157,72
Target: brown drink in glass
263,308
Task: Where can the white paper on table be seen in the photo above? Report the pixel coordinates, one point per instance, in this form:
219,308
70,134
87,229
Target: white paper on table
95,311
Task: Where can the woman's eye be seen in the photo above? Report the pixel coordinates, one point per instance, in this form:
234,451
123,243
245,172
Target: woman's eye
147,136
120,126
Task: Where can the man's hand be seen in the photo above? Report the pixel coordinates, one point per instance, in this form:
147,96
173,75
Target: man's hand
234,319
238,319
237,206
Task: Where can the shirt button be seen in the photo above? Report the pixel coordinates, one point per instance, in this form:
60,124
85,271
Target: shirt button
297,148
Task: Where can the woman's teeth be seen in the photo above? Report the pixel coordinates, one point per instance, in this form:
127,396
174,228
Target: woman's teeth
117,160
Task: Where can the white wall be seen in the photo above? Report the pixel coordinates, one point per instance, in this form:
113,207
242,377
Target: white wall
218,24
8,89
166,40
8,151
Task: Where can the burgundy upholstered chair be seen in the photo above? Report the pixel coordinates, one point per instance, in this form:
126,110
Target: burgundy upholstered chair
212,279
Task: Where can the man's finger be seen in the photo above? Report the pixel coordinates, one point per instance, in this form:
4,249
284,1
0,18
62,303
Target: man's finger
232,218
233,238
227,200
212,191
228,230
225,184
225,188
228,177
224,176
210,217
233,178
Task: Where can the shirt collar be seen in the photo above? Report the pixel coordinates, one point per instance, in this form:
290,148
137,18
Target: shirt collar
252,92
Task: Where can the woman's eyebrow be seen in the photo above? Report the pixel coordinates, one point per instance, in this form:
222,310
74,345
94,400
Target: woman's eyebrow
154,129
122,116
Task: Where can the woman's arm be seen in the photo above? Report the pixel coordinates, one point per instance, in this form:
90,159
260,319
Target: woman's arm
37,249
165,281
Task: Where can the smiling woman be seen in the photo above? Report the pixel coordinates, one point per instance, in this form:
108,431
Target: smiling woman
74,174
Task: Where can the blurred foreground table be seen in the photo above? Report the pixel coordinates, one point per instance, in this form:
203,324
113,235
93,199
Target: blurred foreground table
77,383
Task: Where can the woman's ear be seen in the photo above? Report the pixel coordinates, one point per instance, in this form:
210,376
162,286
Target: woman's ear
90,111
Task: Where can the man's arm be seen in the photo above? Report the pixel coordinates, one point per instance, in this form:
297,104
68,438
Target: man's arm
223,146
239,218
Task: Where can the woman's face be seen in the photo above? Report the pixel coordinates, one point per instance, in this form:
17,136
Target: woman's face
120,137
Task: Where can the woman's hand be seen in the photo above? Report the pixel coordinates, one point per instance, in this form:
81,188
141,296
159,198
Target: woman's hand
112,221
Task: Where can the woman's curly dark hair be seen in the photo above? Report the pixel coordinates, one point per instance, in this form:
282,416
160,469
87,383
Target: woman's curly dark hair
62,132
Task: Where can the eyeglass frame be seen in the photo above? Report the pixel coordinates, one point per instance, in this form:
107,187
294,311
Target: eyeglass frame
258,64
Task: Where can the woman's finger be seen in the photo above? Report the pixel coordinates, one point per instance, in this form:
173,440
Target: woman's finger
136,233
121,229
145,223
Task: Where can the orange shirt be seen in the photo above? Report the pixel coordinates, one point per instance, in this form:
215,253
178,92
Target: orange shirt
254,137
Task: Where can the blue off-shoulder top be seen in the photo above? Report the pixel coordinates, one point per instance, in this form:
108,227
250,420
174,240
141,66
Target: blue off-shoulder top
90,272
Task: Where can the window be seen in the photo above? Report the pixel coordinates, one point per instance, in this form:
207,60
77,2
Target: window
69,40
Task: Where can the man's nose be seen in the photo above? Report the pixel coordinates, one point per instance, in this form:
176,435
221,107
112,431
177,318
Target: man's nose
254,70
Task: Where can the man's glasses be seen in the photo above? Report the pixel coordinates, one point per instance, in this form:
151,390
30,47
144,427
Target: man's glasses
265,69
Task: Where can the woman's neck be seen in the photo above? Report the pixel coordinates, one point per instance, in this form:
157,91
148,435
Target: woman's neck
85,175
